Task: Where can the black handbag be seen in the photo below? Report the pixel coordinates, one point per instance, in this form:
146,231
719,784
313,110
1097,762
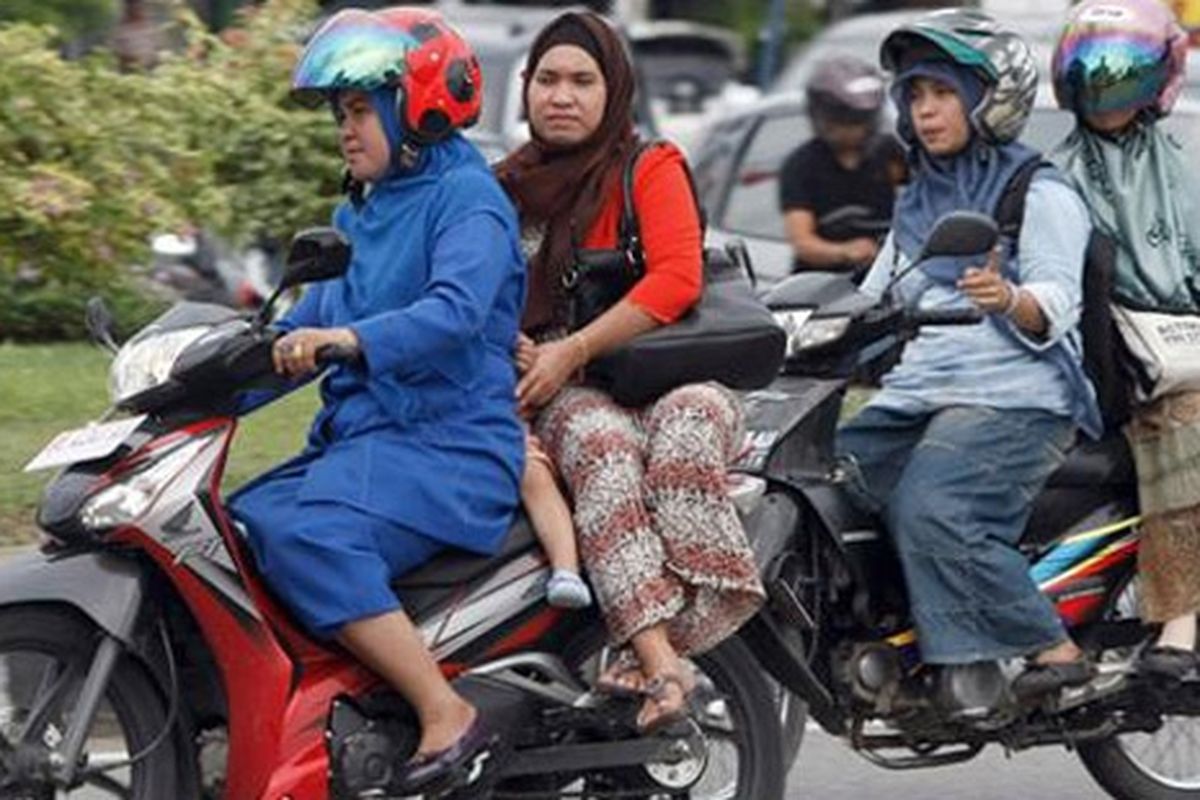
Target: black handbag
728,336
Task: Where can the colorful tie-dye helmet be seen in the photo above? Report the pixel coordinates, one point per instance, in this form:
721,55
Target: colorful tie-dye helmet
1119,55
972,39
439,86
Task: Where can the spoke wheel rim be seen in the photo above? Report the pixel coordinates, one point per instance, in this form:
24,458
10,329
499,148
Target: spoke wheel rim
36,693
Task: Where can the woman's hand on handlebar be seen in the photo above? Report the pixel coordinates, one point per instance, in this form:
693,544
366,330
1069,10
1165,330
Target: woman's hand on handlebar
295,354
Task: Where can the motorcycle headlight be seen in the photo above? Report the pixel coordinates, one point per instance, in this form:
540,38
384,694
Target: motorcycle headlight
806,333
131,494
145,363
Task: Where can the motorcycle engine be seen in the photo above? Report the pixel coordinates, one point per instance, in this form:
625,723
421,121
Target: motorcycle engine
365,750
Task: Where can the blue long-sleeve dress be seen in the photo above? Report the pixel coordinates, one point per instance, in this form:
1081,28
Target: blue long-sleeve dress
420,448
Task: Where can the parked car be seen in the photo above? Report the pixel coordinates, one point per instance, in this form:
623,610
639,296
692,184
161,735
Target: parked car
691,73
736,165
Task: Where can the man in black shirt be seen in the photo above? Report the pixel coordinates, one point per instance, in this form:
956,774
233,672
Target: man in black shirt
836,191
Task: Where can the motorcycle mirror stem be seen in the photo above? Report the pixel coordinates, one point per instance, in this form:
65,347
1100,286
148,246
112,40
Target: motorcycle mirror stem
316,254
958,233
100,324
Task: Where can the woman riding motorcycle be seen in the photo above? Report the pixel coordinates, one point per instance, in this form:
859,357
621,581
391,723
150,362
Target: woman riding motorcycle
848,163
969,425
417,448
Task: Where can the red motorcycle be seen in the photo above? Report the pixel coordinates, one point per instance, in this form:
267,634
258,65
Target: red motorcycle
141,655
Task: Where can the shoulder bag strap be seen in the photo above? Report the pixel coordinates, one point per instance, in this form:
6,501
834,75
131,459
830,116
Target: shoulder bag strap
629,233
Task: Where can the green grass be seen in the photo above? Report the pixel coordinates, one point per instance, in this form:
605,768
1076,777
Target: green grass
45,389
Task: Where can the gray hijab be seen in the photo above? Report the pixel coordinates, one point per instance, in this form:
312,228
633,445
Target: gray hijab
1143,196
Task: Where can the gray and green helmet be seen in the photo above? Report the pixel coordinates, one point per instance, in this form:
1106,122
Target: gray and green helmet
974,40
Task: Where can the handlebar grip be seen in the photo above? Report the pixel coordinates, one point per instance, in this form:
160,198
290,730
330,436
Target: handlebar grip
338,354
947,316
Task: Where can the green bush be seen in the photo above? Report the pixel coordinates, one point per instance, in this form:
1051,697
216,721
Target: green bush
93,161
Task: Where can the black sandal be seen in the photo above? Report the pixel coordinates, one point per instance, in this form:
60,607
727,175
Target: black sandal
1165,661
1041,679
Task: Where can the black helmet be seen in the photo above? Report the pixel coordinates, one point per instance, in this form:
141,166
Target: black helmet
845,89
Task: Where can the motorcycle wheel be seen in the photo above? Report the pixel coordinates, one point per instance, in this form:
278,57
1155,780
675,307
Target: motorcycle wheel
44,655
741,729
1164,765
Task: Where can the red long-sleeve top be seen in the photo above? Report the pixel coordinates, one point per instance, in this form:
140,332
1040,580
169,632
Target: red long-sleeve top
670,231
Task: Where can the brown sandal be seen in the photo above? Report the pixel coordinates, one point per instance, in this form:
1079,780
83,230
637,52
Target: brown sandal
659,691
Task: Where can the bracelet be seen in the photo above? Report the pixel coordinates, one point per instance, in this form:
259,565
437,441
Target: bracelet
1014,298
581,345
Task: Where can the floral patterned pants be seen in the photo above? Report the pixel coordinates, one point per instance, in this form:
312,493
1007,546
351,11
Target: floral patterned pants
658,534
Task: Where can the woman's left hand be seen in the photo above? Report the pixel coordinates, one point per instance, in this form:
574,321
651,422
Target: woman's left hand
553,366
295,354
986,287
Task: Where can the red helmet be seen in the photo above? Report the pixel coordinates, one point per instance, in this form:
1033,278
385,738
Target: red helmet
438,82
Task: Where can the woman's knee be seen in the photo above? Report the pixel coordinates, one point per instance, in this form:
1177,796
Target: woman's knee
589,427
699,422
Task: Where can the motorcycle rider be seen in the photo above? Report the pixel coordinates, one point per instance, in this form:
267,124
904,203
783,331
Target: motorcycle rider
849,162
1135,179
974,418
418,447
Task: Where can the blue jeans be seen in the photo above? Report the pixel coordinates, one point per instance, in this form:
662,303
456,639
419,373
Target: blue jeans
955,487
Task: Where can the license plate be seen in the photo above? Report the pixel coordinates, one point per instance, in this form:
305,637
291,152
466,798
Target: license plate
84,444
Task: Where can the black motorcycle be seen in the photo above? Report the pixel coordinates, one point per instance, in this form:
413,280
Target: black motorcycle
836,631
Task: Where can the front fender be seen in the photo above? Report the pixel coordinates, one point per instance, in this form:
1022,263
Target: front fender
105,588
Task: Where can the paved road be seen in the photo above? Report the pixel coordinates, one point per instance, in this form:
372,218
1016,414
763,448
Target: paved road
828,769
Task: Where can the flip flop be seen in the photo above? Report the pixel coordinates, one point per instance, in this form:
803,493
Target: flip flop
659,691
617,678
1165,661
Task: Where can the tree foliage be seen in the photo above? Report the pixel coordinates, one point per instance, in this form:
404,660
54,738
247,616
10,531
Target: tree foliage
93,160
72,17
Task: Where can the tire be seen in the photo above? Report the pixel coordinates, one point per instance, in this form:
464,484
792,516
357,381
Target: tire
752,707
793,721
1125,765
32,639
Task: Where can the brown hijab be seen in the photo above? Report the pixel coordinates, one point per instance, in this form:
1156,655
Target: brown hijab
563,189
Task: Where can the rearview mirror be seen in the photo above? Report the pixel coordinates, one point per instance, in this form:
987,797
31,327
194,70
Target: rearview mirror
316,254
961,233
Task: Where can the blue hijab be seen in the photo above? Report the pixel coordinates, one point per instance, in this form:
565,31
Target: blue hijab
971,180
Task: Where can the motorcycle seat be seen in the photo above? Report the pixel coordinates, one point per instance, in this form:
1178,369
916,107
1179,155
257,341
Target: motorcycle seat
454,568
1092,464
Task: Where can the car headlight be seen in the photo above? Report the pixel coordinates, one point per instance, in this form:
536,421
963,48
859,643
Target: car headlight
805,333
144,363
